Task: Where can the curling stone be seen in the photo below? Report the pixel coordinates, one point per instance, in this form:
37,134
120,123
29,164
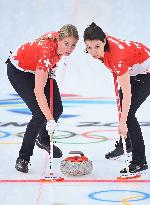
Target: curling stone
76,165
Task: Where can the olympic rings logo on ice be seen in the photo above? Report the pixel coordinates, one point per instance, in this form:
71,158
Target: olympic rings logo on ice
104,195
68,137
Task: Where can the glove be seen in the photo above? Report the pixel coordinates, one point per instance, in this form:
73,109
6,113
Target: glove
51,126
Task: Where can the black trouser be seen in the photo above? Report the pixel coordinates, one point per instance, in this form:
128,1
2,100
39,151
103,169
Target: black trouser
140,87
23,83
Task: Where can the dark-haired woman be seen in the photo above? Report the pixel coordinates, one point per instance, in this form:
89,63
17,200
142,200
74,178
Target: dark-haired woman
129,62
29,70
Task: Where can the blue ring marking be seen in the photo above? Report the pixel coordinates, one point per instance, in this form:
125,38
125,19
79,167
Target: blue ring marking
68,116
89,102
10,99
26,111
69,106
92,195
64,102
7,134
20,110
11,103
14,94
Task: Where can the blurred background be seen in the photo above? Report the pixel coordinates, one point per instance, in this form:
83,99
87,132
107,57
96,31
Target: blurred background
22,21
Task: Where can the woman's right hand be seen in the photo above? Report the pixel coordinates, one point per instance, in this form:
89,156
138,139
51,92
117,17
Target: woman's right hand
51,126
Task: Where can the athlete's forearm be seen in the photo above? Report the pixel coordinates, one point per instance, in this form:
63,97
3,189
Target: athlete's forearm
40,82
126,103
43,104
125,85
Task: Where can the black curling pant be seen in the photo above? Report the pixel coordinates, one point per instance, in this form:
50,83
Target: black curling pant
23,83
140,87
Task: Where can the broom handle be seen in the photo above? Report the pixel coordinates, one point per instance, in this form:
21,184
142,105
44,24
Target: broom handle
51,136
125,154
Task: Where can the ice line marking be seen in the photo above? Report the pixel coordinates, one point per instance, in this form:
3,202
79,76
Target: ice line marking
74,181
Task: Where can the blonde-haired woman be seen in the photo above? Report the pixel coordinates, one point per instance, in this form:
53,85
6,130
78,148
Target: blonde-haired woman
29,70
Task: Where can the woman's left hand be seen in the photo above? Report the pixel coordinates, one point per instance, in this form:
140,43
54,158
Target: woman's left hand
123,129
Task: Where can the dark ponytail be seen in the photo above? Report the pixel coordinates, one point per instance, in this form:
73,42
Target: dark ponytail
94,32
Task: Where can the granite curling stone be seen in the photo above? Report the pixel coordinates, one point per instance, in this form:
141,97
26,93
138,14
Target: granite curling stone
76,165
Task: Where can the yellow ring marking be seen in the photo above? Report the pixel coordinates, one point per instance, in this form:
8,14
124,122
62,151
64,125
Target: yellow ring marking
125,200
10,142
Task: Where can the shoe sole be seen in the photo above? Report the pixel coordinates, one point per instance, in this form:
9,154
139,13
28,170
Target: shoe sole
143,171
20,170
138,172
115,158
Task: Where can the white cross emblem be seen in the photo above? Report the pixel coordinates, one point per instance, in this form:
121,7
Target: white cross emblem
47,62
